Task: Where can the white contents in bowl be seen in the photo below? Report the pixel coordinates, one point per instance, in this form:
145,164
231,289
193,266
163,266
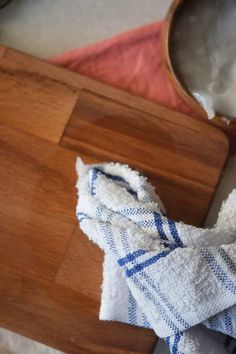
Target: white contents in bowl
203,53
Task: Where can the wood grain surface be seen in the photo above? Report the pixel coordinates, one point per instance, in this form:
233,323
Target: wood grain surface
74,272
107,130
37,201
48,116
50,101
63,318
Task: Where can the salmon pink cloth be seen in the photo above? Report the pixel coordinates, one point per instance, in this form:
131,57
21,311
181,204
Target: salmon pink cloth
131,61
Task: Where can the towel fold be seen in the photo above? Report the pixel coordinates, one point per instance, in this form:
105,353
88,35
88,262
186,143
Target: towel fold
172,277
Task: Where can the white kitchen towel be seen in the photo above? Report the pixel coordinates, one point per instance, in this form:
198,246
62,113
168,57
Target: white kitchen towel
159,273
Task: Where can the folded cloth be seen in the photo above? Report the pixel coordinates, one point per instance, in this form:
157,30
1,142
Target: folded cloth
131,61
172,277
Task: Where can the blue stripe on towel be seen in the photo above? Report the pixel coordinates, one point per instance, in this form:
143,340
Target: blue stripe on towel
146,223
214,323
167,340
140,266
228,322
115,178
171,308
135,211
131,304
174,232
229,262
176,343
155,287
110,176
106,229
126,247
146,324
130,257
93,176
132,309
218,271
147,263
158,306
159,225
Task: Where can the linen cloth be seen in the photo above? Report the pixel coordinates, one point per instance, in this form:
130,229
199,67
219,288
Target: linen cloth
131,61
172,277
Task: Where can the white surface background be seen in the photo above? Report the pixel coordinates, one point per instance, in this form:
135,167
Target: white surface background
49,27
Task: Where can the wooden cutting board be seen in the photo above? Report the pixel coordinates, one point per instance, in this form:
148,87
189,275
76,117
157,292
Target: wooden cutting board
48,116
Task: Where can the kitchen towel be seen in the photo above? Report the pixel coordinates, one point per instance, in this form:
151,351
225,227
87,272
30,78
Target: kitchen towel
172,277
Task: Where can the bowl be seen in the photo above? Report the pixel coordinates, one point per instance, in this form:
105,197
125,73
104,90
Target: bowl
193,15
